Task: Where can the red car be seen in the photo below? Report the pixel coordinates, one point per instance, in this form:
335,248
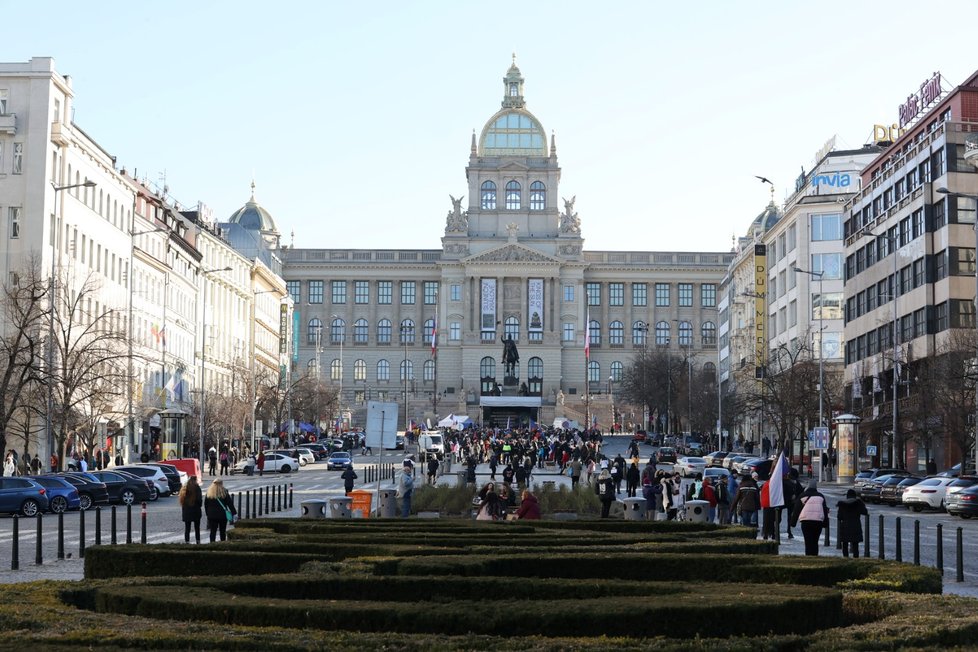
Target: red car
640,436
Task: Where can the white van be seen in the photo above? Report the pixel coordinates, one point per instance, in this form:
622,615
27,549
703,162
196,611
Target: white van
432,443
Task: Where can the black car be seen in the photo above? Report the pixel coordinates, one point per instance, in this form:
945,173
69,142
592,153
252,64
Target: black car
891,491
319,450
870,474
172,475
870,489
91,491
125,488
963,503
758,465
666,455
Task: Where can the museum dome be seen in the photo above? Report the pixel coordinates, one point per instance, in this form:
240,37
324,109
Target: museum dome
253,217
513,131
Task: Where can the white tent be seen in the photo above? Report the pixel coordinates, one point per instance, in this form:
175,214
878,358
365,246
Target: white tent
566,424
457,421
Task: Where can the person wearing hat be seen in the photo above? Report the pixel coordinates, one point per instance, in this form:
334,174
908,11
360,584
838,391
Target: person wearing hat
850,530
747,501
405,487
812,511
605,488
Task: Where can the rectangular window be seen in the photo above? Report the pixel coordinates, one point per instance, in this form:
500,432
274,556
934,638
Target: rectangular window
455,292
708,295
338,291
430,293
568,332
906,328
830,265
939,212
294,289
616,294
3,101
385,292
18,167
918,273
906,278
940,317
568,293
361,292
792,237
940,265
455,331
316,291
826,227
640,294
661,294
593,294
919,322
917,226
964,211
904,231
14,213
685,294
827,305
408,293
962,261
793,314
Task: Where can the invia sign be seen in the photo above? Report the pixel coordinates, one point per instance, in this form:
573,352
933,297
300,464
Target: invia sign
835,180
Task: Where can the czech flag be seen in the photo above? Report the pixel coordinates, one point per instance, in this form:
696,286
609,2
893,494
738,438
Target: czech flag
587,334
772,493
434,335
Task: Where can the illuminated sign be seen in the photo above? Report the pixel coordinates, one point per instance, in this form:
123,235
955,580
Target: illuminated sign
887,133
760,308
928,93
835,180
283,329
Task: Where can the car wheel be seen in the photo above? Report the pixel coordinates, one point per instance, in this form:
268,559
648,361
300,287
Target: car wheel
59,504
84,501
917,508
965,516
128,497
302,462
285,468
154,494
30,507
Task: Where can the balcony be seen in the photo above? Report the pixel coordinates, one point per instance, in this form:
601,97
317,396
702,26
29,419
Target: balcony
60,134
8,124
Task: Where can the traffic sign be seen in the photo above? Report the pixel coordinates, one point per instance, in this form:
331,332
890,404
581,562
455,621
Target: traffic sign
819,437
871,450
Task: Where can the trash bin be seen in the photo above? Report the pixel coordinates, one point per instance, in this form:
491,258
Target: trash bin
388,503
697,511
446,463
362,501
339,507
634,509
461,477
313,509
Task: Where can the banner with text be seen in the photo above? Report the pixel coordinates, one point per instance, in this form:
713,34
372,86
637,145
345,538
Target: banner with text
760,309
534,297
488,304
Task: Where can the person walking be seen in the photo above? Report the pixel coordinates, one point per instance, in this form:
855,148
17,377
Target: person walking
746,502
405,487
850,530
349,475
605,488
219,507
722,493
632,477
212,461
812,511
260,463
225,463
432,470
191,502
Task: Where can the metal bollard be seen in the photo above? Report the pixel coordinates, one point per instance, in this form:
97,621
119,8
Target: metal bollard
280,492
960,559
81,534
98,526
866,538
247,502
61,535
114,541
899,539
828,540
940,548
239,505
254,503
261,498
38,553
268,500
916,542
128,524
882,541
290,495
274,492
15,545
142,514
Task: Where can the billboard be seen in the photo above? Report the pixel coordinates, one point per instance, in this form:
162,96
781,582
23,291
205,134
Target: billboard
381,431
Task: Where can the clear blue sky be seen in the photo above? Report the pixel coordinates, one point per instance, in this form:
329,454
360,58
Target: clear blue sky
355,118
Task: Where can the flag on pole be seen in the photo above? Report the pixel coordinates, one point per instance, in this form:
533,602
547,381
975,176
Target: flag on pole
772,493
587,334
434,334
507,423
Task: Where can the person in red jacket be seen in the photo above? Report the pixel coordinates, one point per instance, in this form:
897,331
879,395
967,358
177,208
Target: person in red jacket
709,494
529,507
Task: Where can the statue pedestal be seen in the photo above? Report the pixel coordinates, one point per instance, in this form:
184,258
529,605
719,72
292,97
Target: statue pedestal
510,381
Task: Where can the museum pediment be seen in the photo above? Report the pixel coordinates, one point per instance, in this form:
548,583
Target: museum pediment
511,253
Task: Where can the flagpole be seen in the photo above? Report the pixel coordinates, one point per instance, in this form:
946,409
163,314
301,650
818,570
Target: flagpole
434,357
587,361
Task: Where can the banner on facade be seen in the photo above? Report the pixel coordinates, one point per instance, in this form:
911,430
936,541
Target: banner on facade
760,309
295,336
534,304
488,304
283,329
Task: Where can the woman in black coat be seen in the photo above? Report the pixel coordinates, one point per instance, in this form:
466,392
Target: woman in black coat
190,503
217,504
850,529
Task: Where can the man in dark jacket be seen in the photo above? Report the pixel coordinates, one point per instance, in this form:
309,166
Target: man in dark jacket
747,501
792,491
349,475
850,529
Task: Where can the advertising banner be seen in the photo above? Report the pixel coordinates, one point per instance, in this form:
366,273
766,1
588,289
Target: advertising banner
488,304
760,309
534,304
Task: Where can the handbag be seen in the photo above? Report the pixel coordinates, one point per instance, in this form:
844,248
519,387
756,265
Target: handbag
569,472
227,512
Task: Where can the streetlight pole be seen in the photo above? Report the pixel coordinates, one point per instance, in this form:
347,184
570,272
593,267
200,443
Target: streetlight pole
643,327
406,331
611,400
203,344
821,356
342,329
55,236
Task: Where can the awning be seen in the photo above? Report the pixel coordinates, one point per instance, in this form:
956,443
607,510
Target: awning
511,401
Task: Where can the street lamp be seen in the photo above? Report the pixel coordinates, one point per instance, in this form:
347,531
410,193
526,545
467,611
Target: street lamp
332,337
945,191
643,327
821,335
255,441
611,399
203,344
407,330
55,233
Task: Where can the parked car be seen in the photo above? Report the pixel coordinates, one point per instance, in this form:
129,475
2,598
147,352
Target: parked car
62,495
24,496
716,474
960,483
963,503
152,473
302,456
870,474
733,462
319,450
92,492
758,465
125,488
891,491
339,461
955,470
273,462
174,476
928,493
640,436
715,458
666,455
870,489
689,466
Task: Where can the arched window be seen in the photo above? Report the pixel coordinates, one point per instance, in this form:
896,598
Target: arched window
360,331
315,329
488,196
428,371
360,371
429,328
662,333
685,333
407,332
337,331
593,372
384,328
487,367
709,333
709,371
595,330
407,370
617,371
538,196
640,333
513,189
383,371
534,368
312,365
512,328
336,370
616,334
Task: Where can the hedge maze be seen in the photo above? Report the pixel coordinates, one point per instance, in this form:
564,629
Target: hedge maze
461,585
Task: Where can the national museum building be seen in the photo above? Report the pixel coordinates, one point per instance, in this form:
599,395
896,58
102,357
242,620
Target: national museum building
511,264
